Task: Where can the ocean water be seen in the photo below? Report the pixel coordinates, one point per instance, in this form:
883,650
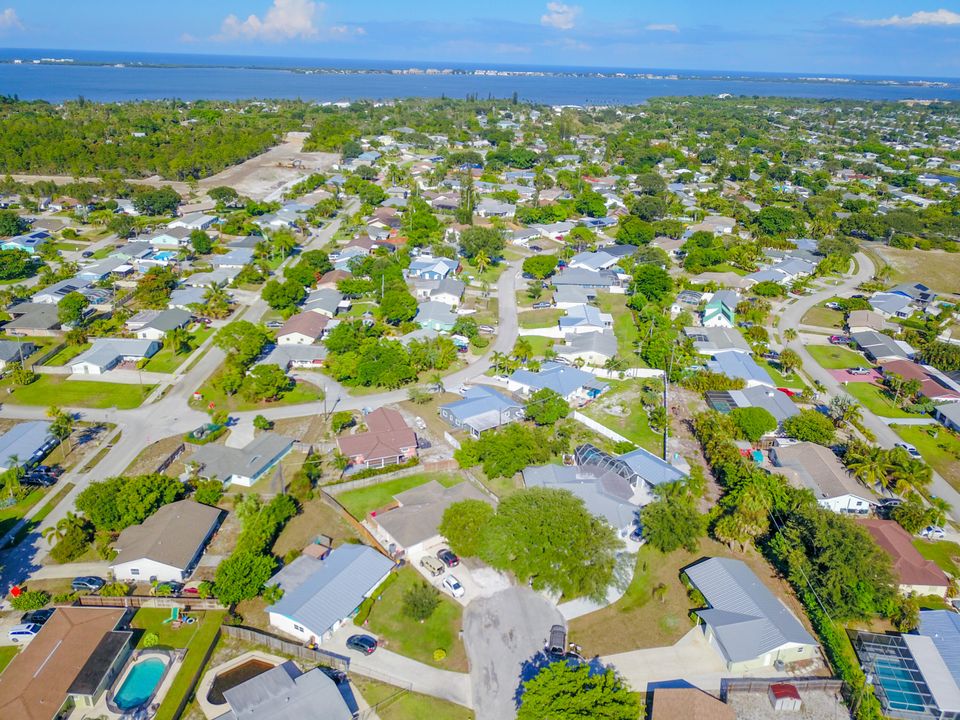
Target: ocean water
135,76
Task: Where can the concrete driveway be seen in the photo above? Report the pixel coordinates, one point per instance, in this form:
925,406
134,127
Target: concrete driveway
478,581
502,633
845,376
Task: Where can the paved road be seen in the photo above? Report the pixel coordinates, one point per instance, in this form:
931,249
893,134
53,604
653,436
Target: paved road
504,634
791,315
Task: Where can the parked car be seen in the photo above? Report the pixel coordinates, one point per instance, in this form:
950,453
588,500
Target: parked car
536,248
448,557
38,480
772,355
933,532
859,371
37,617
87,582
168,588
832,306
432,565
839,340
87,254
23,633
486,329
542,305
362,644
274,324
54,470
911,450
453,586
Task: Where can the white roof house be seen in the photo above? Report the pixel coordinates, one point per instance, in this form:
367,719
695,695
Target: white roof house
106,353
817,468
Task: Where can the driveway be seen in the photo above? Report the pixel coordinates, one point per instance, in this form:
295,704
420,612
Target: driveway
478,581
502,633
845,376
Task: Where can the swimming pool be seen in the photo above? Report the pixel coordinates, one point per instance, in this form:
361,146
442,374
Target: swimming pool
165,255
899,686
140,684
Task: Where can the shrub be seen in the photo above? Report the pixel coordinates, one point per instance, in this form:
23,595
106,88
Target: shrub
151,640
30,600
66,598
208,492
115,589
420,601
364,611
72,545
439,654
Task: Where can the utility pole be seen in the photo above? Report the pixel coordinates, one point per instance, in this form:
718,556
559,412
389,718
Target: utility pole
666,406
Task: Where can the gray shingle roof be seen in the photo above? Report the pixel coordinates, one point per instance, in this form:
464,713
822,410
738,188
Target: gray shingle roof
286,693
172,535
739,365
319,593
747,619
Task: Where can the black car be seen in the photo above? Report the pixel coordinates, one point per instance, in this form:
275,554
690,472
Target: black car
37,617
168,588
448,557
87,254
362,644
91,583
39,479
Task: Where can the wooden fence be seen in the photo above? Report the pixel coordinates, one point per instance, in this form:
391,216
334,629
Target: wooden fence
259,637
353,522
151,601
733,686
171,458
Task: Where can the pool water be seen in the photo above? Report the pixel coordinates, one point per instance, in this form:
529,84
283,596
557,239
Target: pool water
140,684
899,686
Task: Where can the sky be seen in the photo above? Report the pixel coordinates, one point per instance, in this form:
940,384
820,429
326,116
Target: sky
879,37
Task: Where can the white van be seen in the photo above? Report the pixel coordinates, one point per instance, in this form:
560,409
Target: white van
23,633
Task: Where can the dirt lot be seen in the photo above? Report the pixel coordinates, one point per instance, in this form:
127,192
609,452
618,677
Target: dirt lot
150,458
935,268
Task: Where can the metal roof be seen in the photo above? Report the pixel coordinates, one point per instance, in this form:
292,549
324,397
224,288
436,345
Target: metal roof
943,627
24,440
739,365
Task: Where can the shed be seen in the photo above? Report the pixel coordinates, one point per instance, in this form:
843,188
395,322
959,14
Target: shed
784,696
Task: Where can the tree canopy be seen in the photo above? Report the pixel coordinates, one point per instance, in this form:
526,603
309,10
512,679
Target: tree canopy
562,691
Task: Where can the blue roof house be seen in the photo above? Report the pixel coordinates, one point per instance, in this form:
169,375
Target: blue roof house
740,365
482,408
320,595
29,242
570,383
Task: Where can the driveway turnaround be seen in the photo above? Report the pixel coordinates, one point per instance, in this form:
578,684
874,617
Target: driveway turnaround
501,633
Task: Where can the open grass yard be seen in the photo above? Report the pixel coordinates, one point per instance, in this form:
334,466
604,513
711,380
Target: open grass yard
58,390
393,703
944,553
10,516
621,410
38,517
937,269
419,640
315,518
302,392
876,399
640,620
524,300
623,325
490,275
834,357
7,654
548,318
823,317
167,361
68,353
540,344
792,381
196,638
362,501
939,447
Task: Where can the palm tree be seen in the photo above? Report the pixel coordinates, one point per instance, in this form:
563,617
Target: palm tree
216,300
940,508
436,380
499,361
179,339
870,465
14,474
613,364
481,262
790,334
523,350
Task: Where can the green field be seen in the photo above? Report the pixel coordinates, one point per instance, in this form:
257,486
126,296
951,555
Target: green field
7,654
533,319
633,425
362,501
68,353
10,516
58,390
415,639
835,357
540,344
939,447
876,399
166,361
944,553
794,381
393,703
302,392
821,316
623,325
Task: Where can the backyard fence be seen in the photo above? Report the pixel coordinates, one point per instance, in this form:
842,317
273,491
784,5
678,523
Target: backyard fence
259,637
733,686
171,458
150,601
597,427
353,522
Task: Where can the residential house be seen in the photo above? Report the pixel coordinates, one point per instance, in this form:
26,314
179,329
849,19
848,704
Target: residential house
222,276
286,693
866,320
303,328
688,703
748,625
915,574
593,261
571,384
29,242
449,291
740,365
53,294
882,348
717,339
169,238
949,415
919,294
106,353
70,663
194,221
164,322
320,595
114,265
523,237
12,351
330,279
720,310
818,469
186,298
584,319
888,304
235,258
388,441
934,385
593,348
241,466
167,545
482,408
568,296
26,442
33,319
587,279
642,470
413,524
325,301
427,267
715,224
774,401
555,231
488,208
435,315
286,357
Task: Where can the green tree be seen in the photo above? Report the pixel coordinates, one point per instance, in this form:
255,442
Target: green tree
546,407
262,423
178,339
341,420
563,691
420,601
208,492
540,266
242,341
754,422
71,309
631,230
154,288
265,382
463,525
398,306
16,264
490,241
789,361
242,576
11,224
672,520
201,243
652,282
810,426
591,204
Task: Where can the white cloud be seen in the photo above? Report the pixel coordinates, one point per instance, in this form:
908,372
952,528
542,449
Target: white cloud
9,20
284,20
920,18
560,16
344,31
662,27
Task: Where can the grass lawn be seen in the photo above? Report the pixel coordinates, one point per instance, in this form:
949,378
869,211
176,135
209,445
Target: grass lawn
400,705
623,325
57,390
633,424
490,275
362,501
524,300
302,392
415,639
540,344
823,317
793,381
939,447
876,399
315,518
195,638
540,318
67,354
834,357
166,361
10,516
639,620
7,653
934,268
38,517
944,553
